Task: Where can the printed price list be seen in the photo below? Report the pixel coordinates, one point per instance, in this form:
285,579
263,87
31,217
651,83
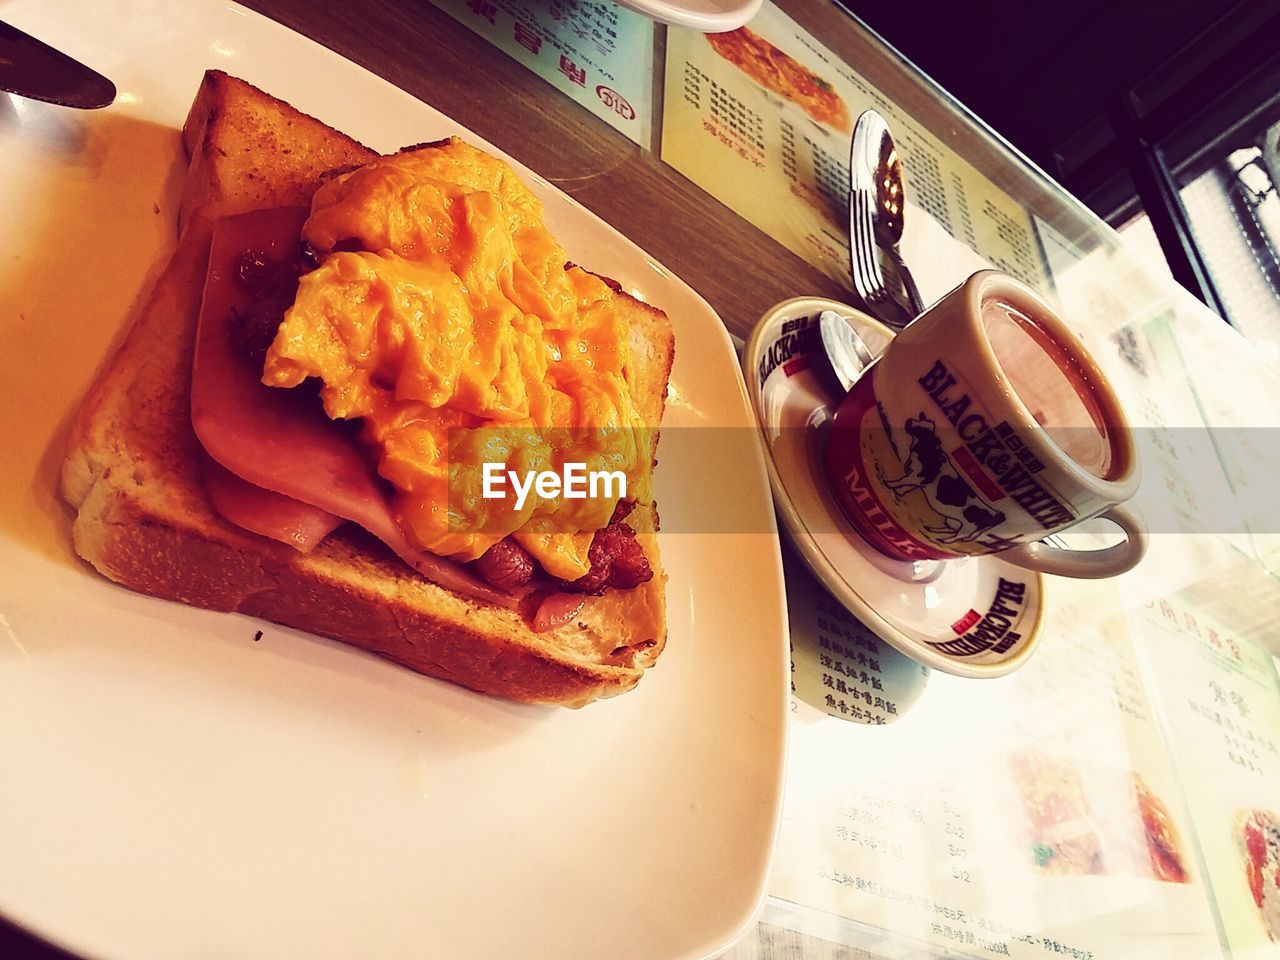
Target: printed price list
953,830
849,657
922,169
797,188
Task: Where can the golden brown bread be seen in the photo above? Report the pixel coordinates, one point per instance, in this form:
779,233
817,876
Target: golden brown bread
249,150
143,518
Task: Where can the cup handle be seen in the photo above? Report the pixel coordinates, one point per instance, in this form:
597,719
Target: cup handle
1087,564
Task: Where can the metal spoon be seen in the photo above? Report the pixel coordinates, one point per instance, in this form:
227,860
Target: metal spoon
847,353
879,176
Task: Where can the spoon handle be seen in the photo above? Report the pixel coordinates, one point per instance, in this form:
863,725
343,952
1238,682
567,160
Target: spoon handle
908,282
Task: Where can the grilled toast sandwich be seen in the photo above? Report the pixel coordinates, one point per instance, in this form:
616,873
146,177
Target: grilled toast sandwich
143,517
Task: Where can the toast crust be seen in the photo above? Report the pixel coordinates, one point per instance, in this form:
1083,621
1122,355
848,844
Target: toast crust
144,521
250,150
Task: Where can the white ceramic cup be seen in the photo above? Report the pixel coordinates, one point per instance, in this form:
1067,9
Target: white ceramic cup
983,428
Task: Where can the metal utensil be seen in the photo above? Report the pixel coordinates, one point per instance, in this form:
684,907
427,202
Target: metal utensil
848,355
876,205
33,69
864,260
889,204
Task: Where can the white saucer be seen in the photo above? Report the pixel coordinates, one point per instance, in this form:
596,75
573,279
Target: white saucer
933,612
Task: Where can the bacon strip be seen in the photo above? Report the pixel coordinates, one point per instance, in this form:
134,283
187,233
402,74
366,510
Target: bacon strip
617,560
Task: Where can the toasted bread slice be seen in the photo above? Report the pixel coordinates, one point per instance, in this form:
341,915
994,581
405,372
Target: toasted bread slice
143,518
249,150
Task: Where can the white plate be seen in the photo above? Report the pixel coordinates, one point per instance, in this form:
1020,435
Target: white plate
976,617
171,788
709,16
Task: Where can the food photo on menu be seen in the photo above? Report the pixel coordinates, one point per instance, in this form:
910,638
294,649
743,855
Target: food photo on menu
654,479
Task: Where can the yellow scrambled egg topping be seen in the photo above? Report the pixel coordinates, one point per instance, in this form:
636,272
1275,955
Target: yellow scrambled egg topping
463,339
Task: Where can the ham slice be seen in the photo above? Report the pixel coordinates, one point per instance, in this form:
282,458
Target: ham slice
267,514
281,440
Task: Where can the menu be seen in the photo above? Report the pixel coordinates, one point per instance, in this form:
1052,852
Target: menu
1188,490
1206,493
1247,440
762,119
1220,703
838,666
1032,816
598,53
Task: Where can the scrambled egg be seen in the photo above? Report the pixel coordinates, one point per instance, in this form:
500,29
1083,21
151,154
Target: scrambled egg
462,338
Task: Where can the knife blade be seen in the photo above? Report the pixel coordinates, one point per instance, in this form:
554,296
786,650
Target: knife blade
33,69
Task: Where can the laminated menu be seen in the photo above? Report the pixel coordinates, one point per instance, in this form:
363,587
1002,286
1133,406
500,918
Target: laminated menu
838,666
762,119
1219,698
598,53
1034,816
1117,797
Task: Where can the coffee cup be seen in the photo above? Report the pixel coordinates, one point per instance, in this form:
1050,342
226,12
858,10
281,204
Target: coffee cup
984,427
